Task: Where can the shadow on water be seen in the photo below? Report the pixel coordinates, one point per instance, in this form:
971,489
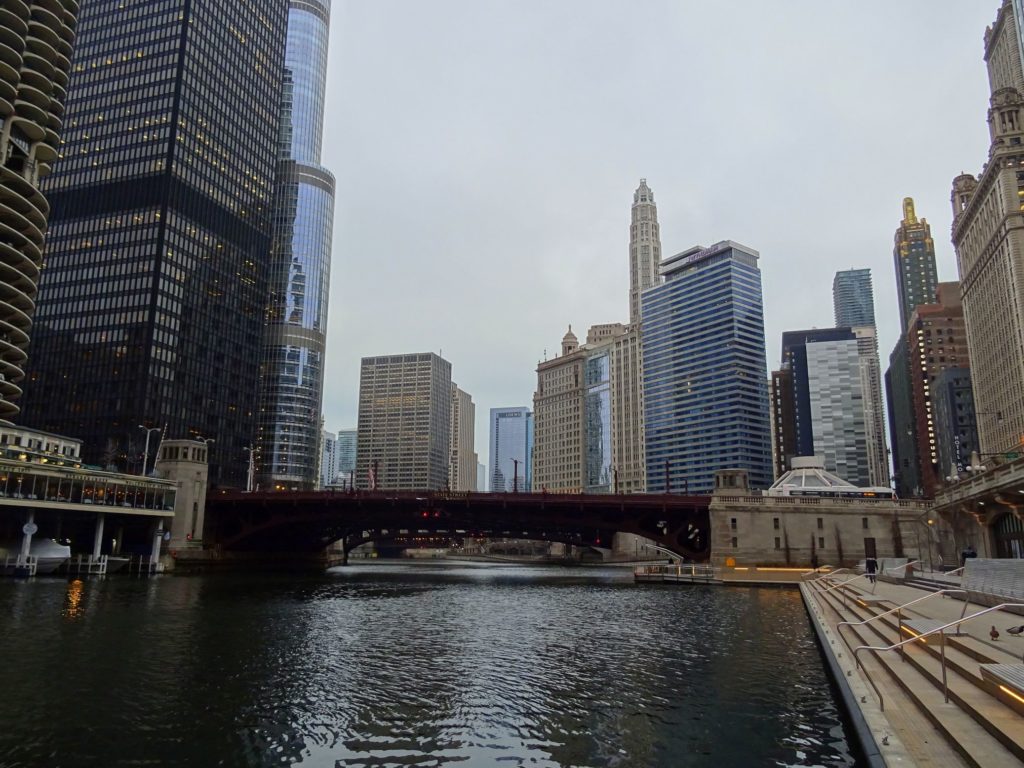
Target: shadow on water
411,665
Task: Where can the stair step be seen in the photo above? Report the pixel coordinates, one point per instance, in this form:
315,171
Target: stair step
961,732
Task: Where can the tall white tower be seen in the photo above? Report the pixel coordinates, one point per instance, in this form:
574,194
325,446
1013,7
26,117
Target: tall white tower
644,248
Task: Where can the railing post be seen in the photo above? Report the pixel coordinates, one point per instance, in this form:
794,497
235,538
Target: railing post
942,647
899,631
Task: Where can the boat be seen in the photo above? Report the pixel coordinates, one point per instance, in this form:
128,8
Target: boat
48,553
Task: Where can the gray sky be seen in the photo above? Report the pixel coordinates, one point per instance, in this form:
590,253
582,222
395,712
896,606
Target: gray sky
486,153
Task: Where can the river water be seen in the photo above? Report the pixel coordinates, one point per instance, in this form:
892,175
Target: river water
411,665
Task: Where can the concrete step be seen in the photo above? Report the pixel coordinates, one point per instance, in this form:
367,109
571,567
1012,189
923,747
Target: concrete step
975,744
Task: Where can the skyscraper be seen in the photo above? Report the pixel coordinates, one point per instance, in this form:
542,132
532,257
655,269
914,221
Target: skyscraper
853,298
644,248
151,306
510,448
462,455
838,416
347,457
404,440
899,394
558,408
291,372
936,341
914,258
705,392
988,234
328,458
36,42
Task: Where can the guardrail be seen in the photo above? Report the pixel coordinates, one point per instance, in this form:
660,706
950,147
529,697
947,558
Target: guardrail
20,565
693,571
942,647
898,610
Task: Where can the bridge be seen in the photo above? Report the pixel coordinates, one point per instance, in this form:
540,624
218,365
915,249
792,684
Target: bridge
305,523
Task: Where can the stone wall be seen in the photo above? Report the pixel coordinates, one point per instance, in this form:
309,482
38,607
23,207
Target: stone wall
794,531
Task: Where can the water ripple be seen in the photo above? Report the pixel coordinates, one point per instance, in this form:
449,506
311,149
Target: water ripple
424,665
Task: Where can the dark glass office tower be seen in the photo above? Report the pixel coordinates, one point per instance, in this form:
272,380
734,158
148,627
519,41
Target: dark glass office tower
292,373
152,298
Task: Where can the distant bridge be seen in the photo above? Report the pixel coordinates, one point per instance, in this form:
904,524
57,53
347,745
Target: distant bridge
301,522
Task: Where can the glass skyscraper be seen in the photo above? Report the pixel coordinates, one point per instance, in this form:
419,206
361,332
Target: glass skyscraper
914,259
705,385
511,439
291,371
153,296
853,298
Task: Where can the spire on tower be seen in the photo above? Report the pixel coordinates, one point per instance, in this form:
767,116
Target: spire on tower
909,217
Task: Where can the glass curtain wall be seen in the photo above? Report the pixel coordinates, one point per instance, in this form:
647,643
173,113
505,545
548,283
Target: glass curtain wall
292,373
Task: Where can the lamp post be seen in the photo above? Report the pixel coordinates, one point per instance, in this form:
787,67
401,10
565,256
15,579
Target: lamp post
250,475
515,475
145,452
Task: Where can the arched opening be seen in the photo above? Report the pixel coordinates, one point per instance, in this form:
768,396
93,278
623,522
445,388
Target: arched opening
1008,532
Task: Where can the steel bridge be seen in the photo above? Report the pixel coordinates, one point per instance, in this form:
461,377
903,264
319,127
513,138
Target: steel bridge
300,522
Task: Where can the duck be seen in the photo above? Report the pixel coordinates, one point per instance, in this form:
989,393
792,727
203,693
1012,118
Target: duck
1016,630
993,633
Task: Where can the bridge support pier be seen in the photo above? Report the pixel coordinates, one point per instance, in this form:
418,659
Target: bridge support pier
97,539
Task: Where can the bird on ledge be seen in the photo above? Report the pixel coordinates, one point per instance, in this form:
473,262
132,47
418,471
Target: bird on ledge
993,633
1016,630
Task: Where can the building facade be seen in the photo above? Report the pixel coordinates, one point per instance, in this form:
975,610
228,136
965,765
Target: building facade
346,452
151,307
462,453
510,449
914,260
838,416
937,341
956,426
874,407
899,391
328,458
644,248
705,393
403,436
33,85
783,420
853,298
988,235
292,357
558,408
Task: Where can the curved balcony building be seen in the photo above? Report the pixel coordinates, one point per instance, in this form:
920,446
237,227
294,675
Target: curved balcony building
292,373
35,52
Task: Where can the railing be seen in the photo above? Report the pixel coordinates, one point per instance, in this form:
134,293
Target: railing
21,564
942,646
822,572
693,571
872,576
898,610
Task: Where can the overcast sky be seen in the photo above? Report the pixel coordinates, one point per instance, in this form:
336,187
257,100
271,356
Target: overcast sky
486,153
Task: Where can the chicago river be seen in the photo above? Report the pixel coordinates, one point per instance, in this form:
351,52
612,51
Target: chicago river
411,665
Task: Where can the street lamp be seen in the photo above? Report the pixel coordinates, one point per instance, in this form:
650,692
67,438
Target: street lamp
252,469
515,475
145,452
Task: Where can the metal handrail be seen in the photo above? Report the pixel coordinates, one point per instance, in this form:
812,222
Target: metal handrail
872,576
898,610
942,645
819,570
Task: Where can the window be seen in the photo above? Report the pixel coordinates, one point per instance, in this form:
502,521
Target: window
864,523
821,542
735,542
775,524
778,543
732,523
821,524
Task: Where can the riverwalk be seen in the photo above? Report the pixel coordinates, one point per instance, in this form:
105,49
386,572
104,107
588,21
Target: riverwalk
922,688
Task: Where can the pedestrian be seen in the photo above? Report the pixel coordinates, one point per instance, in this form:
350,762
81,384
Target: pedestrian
871,567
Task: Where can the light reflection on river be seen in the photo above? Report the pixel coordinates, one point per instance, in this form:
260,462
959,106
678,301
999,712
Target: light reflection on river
410,665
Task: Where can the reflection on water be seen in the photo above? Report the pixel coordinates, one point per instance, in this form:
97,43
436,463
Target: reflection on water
411,665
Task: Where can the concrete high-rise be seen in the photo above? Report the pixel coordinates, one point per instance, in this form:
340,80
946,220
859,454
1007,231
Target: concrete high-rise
899,391
36,40
510,449
558,408
404,431
988,234
346,457
853,298
644,248
838,416
914,259
152,304
462,454
292,357
936,341
328,458
705,393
